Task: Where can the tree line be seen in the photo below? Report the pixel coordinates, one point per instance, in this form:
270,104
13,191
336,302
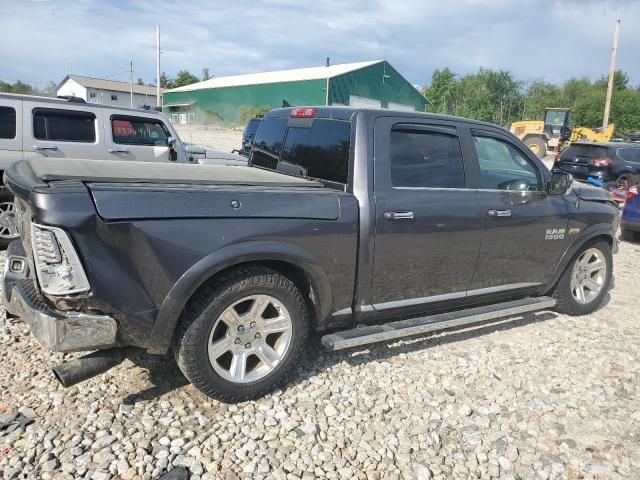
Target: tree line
488,95
497,97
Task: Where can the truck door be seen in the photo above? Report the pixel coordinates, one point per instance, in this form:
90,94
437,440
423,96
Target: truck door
62,130
524,229
137,137
427,221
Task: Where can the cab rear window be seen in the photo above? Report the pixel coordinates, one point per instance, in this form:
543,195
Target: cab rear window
317,148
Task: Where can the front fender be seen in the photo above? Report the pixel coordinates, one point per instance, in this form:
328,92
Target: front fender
253,251
593,231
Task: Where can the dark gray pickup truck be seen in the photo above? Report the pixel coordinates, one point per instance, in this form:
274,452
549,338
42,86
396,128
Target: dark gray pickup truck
354,223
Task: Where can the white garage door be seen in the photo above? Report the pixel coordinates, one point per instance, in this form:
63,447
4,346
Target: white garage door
363,102
402,107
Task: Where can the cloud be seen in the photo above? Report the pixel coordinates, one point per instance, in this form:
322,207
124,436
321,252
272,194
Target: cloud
535,39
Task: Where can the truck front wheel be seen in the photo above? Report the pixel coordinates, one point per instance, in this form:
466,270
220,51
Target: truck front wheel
586,280
241,337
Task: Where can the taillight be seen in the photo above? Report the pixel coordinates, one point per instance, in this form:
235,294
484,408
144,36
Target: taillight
632,192
557,159
303,113
601,162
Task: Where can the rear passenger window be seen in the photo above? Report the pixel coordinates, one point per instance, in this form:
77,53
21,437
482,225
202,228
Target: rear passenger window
426,159
7,122
64,125
139,131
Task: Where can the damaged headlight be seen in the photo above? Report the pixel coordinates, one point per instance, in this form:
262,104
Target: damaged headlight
57,265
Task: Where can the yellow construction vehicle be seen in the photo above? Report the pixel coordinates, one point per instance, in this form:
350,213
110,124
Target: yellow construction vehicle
555,132
593,134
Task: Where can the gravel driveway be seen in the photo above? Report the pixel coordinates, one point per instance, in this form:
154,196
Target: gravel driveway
546,396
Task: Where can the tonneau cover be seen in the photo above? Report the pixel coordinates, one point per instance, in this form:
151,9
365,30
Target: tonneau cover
39,171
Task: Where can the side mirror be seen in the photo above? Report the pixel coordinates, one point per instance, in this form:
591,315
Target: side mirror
560,183
171,142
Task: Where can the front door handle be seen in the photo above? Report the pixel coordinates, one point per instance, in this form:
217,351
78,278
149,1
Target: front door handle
118,150
499,213
399,216
39,147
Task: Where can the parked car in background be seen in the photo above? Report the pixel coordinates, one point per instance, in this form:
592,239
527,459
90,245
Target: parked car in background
71,128
630,221
248,134
353,217
611,162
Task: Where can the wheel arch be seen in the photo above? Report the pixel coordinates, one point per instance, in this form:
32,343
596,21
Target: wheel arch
292,261
591,234
539,136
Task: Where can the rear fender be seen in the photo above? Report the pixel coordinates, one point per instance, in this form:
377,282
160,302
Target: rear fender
207,267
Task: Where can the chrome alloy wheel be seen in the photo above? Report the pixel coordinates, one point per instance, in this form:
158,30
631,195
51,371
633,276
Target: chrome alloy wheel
588,276
8,221
250,339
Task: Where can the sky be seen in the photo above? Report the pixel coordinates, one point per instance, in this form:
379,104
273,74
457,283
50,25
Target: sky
43,40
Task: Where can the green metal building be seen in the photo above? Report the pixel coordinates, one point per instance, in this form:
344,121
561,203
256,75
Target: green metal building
374,84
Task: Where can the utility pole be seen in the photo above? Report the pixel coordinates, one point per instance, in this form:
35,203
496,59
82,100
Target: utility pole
158,95
131,82
612,71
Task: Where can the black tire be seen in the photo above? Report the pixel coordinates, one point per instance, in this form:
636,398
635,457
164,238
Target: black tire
207,305
565,301
5,197
537,146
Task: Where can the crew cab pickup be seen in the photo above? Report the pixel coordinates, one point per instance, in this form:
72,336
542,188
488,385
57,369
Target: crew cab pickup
365,225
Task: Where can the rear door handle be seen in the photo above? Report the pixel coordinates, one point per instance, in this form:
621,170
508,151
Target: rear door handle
39,147
499,213
399,216
118,150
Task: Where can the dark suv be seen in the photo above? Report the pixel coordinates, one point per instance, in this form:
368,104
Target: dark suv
248,134
610,162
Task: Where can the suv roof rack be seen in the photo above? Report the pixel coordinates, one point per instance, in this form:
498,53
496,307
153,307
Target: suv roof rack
71,98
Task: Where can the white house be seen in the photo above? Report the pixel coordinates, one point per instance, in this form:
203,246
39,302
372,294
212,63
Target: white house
106,92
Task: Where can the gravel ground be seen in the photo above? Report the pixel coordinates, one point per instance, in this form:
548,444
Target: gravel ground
547,396
226,139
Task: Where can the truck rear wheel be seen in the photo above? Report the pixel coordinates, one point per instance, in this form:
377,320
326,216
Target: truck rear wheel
242,337
537,146
586,280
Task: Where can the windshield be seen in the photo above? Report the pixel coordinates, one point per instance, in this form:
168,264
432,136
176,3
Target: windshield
556,117
252,127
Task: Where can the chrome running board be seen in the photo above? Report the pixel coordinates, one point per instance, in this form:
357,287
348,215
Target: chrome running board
432,323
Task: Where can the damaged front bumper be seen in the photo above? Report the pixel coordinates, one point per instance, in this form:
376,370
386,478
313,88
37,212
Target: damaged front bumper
55,330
